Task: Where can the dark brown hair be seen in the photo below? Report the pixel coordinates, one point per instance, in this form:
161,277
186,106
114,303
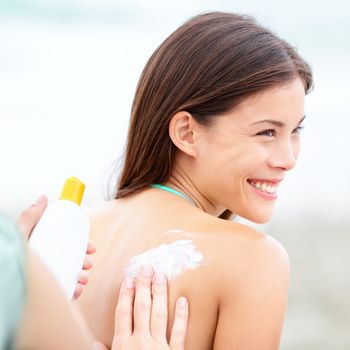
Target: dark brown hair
206,67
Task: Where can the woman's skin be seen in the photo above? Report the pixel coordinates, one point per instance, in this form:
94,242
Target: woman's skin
50,321
238,296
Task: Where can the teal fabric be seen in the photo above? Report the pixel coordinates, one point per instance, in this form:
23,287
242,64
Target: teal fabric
173,191
12,281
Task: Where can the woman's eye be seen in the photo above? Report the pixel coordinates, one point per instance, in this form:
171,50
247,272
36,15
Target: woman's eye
298,129
269,133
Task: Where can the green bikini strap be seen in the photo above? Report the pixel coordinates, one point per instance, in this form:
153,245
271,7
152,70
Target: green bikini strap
171,190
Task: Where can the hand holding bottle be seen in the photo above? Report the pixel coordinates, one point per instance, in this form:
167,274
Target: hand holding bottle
61,236
26,223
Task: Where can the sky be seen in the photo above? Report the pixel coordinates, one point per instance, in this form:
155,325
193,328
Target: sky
68,74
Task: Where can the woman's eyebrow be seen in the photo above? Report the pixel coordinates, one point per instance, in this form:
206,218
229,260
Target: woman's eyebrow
276,122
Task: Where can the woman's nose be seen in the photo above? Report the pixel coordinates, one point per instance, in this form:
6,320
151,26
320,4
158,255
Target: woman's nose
285,155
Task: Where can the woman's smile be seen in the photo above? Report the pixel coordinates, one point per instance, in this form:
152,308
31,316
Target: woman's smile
265,188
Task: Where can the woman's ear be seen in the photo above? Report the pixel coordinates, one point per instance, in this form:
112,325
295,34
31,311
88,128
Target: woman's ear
183,132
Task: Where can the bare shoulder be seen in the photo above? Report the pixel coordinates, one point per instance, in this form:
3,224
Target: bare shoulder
235,244
242,287
253,261
240,259
252,277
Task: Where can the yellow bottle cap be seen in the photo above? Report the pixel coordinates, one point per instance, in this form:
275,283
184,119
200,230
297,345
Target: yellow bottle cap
73,190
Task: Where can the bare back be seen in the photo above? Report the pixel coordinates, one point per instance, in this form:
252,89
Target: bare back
125,228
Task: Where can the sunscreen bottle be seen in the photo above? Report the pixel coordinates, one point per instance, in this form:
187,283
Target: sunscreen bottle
61,236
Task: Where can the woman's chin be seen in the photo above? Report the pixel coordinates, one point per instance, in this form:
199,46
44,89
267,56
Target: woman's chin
261,220
258,216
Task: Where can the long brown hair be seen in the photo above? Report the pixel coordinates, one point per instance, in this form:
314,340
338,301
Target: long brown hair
206,67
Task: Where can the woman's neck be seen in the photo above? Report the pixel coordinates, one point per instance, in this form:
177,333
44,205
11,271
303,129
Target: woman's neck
180,181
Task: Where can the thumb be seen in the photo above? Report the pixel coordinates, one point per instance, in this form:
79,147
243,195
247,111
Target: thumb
31,215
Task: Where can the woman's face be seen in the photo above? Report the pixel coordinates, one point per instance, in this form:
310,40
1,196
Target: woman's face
245,154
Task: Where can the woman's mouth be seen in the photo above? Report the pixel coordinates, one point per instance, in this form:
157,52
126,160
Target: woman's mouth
265,188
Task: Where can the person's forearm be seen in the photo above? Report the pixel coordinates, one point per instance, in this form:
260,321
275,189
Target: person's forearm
50,320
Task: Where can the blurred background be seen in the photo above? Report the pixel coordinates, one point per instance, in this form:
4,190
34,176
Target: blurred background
68,72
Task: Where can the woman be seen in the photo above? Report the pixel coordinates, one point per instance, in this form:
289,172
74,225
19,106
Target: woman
214,127
35,314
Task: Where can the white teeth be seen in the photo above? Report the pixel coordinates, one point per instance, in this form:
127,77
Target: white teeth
265,187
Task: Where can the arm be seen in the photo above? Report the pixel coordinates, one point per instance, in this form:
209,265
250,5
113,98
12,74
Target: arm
254,298
50,321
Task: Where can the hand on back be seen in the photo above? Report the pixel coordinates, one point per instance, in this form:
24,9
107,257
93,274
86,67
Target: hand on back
146,302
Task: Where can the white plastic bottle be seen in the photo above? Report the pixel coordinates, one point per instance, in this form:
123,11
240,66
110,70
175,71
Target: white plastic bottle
61,236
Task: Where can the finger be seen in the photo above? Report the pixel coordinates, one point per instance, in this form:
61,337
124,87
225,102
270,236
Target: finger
31,215
78,290
83,277
91,249
124,310
159,316
143,302
87,263
178,332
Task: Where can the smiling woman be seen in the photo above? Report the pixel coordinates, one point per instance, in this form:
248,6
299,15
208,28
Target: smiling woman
214,128
266,127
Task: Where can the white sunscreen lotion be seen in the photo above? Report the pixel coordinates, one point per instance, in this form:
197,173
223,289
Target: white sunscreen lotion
172,259
61,236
